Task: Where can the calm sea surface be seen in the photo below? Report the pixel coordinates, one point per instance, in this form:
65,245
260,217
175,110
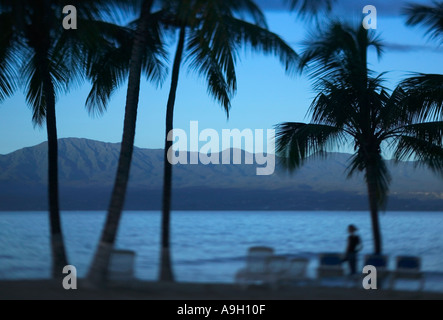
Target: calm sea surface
210,246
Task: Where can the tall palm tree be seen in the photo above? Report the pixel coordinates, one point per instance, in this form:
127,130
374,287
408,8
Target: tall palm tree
430,16
352,106
141,52
211,34
32,50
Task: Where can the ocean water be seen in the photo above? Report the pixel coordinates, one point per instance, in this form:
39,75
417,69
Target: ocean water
211,246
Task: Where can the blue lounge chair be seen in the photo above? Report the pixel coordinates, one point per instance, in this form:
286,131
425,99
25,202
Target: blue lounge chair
380,262
408,268
330,266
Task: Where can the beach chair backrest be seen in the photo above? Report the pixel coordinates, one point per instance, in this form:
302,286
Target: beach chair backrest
330,259
257,259
277,264
408,263
378,261
408,267
297,267
121,266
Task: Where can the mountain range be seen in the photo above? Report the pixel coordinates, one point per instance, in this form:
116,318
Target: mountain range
87,170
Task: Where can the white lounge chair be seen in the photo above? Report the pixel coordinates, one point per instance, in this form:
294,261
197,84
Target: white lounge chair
277,268
121,267
256,270
296,271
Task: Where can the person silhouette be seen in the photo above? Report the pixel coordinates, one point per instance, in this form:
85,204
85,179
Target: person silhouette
353,246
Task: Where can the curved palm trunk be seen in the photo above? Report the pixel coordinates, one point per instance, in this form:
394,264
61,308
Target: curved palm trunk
373,207
40,42
57,243
166,273
98,271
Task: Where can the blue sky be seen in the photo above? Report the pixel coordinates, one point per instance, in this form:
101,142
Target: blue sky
266,95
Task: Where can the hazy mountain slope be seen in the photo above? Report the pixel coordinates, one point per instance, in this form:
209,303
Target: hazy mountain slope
87,169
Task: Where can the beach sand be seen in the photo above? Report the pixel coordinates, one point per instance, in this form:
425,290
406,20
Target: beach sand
143,290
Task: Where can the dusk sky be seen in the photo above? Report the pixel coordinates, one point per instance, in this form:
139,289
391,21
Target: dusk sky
266,95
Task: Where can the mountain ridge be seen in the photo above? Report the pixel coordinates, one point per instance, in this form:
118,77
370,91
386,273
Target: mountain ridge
87,170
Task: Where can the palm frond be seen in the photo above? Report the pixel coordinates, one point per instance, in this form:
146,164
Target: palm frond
34,72
35,94
202,59
410,147
429,16
391,117
334,105
337,50
423,97
9,61
107,74
108,65
156,56
295,142
428,131
306,8
248,8
262,40
243,9
216,41
117,11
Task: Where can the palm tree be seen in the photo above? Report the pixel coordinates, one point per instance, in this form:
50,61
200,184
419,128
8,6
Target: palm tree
430,16
141,53
352,106
36,48
211,33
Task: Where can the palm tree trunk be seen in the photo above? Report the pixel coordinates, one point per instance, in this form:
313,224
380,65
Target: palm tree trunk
166,273
373,207
57,243
98,271
41,44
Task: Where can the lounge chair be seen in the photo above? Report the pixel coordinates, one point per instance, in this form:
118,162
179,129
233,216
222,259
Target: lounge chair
276,271
408,268
121,267
330,266
296,271
256,269
380,262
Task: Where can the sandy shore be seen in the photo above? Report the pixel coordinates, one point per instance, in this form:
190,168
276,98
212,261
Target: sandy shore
140,290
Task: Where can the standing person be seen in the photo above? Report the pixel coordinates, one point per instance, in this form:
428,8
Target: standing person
353,246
